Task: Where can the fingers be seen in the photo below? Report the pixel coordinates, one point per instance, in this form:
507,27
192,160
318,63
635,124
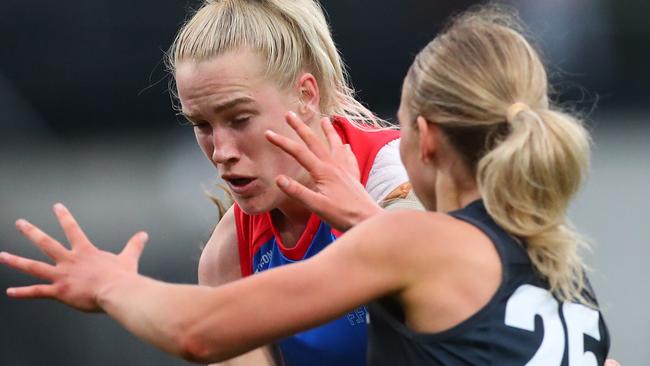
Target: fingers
612,362
71,228
44,242
298,151
134,247
333,137
299,192
32,292
351,162
29,266
307,135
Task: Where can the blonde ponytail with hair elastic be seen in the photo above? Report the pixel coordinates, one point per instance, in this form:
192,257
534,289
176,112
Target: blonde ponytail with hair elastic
485,86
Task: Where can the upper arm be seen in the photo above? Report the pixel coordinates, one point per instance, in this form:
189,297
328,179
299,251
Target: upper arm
219,261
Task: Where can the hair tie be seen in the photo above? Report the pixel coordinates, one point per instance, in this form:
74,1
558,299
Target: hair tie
515,109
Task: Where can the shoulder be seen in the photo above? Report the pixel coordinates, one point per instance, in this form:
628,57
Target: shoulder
411,224
219,261
394,235
428,242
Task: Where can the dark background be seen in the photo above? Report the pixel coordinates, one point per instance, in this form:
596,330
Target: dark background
86,118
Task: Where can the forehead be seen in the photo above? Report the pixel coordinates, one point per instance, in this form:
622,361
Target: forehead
233,74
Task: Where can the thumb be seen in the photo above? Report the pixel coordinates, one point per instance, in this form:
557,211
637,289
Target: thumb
134,247
299,192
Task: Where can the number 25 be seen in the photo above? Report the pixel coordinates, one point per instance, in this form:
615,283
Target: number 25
529,301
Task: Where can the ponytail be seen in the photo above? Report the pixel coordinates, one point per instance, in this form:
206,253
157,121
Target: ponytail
527,182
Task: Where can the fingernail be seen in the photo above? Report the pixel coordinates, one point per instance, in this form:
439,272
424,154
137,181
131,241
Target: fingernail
58,206
3,257
293,114
11,291
283,182
269,132
20,223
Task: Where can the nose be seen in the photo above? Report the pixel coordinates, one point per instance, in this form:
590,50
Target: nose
226,149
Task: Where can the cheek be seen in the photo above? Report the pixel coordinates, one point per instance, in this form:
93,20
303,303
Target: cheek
406,150
205,143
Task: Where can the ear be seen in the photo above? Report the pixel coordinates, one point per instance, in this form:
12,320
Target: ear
309,96
428,138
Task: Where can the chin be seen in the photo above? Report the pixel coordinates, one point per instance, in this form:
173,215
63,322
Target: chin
254,205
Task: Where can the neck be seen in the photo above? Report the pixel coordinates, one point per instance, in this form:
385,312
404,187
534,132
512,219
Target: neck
455,191
448,203
291,214
290,219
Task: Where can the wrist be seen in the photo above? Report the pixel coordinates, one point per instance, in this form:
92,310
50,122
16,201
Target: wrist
370,210
110,288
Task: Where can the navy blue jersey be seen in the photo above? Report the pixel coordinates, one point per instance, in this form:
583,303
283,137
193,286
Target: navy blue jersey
523,324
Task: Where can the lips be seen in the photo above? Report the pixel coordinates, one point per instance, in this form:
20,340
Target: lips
239,184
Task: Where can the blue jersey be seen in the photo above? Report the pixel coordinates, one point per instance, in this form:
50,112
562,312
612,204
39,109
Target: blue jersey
339,342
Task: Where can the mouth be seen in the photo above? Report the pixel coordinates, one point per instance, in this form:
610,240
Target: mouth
239,184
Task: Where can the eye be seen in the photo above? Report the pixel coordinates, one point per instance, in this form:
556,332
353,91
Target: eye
201,126
241,120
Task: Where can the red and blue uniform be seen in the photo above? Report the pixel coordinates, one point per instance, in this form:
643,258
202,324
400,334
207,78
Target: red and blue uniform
344,340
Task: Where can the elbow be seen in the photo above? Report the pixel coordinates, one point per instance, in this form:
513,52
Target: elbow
195,347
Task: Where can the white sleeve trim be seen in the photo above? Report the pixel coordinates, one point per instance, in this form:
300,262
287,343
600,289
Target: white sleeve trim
387,172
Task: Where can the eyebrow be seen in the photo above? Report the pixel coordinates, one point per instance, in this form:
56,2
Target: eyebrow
232,103
226,105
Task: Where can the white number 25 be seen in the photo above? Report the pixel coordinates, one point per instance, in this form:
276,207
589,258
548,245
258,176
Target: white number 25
528,301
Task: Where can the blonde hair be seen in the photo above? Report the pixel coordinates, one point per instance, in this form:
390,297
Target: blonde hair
485,86
292,36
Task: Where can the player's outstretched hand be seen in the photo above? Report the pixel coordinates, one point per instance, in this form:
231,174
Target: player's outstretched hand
79,273
337,196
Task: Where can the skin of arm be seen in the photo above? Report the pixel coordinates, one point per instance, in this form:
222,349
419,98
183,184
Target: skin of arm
219,264
219,323
204,324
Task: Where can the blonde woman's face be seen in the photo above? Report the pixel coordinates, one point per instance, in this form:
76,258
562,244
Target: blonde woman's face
231,104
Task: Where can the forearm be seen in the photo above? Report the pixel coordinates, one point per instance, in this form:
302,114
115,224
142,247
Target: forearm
203,324
262,356
164,315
